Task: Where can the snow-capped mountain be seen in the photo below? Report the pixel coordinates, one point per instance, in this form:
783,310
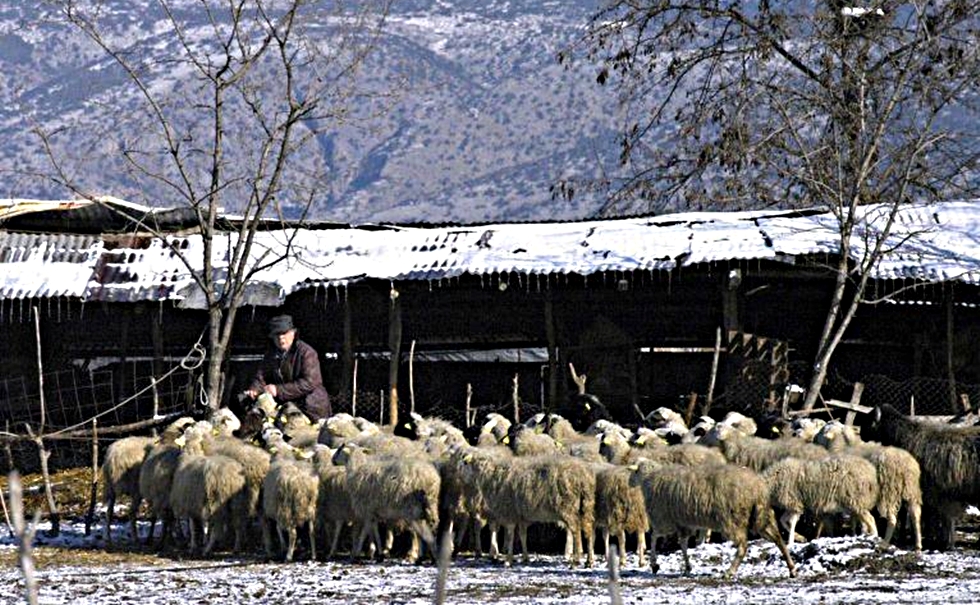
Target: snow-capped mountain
484,121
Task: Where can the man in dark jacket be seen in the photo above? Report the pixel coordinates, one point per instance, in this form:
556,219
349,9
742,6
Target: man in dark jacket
290,371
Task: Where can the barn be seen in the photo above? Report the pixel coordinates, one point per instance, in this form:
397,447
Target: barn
702,310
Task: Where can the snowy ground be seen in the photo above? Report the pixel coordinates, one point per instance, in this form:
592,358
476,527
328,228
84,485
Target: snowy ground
831,570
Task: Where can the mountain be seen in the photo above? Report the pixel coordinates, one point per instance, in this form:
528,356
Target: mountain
483,122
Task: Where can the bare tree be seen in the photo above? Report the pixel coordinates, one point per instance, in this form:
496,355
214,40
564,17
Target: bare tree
857,108
232,113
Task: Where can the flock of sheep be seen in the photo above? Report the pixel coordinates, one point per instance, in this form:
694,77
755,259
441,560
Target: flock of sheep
427,478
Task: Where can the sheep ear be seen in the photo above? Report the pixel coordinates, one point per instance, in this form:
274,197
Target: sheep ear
641,439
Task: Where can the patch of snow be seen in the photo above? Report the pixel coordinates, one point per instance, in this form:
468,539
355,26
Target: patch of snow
831,571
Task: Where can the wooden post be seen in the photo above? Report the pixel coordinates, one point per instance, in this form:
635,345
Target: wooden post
93,492
949,354
714,373
39,439
25,537
348,363
692,400
411,377
516,399
549,329
578,379
353,392
395,347
469,398
9,451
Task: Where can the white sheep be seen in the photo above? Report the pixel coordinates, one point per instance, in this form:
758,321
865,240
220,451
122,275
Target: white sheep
899,476
120,477
156,478
620,509
758,453
289,493
206,487
121,473
334,504
835,484
392,490
721,497
520,491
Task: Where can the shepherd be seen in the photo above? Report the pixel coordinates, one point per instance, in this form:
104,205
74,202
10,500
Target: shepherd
290,371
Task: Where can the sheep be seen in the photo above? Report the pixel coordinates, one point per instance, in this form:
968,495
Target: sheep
836,484
418,427
617,451
620,509
666,424
758,453
121,473
156,477
206,487
289,493
255,463
338,428
898,476
334,504
524,441
392,489
702,426
721,497
807,428
120,476
583,409
949,459
740,422
520,491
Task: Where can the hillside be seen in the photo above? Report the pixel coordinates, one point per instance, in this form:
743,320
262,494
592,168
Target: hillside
483,123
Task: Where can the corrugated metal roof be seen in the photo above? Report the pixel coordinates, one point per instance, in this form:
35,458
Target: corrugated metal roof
934,243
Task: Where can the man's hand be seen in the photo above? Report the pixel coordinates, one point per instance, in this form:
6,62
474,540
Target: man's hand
271,389
251,393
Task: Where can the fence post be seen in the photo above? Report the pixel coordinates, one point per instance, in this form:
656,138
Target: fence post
90,515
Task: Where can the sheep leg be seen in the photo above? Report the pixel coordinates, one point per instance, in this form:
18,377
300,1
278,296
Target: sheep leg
684,539
654,566
494,547
311,529
522,532
589,545
641,548
569,543
915,516
605,541
267,537
389,541
477,542
375,534
414,551
109,506
509,539
868,523
741,547
358,542
891,520
137,501
790,519
291,548
770,531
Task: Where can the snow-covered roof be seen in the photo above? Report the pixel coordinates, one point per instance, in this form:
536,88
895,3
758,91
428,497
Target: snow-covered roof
934,243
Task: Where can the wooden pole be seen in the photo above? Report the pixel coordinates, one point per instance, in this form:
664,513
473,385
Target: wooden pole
93,492
549,328
714,372
25,537
469,398
411,377
353,392
348,362
39,439
953,403
395,347
516,398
